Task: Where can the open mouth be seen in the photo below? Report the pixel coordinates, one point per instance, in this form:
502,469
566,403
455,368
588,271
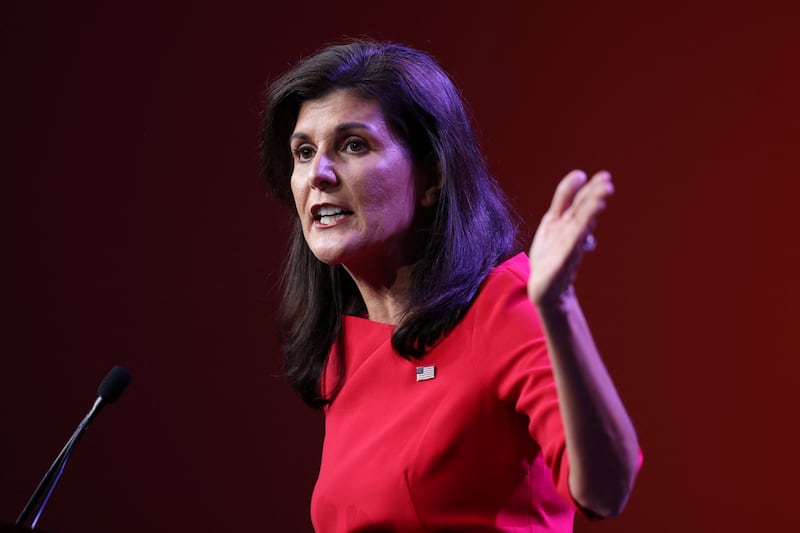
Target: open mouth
329,214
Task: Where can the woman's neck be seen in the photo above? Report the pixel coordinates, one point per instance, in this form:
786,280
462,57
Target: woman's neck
385,293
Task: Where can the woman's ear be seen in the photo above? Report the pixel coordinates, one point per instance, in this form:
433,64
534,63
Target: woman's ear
431,182
430,196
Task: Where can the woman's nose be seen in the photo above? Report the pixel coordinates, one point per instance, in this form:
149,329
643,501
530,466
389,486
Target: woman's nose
323,174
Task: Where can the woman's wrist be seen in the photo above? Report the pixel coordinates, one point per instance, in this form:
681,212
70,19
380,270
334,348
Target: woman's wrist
554,307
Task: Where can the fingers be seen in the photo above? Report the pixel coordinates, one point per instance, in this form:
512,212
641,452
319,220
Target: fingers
560,239
565,193
590,200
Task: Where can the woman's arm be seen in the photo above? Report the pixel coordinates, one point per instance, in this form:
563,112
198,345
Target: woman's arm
601,441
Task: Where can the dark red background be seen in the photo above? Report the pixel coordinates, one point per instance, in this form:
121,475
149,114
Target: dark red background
136,232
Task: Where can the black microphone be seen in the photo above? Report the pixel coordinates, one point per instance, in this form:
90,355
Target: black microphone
109,391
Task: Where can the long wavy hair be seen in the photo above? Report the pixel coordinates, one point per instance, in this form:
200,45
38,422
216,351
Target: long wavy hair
472,230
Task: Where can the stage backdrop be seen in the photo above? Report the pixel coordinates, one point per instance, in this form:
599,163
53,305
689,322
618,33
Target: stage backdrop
136,232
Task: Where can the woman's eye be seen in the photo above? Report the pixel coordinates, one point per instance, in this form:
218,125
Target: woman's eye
304,152
355,146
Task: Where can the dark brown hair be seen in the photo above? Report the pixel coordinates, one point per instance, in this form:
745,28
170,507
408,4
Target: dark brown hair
472,230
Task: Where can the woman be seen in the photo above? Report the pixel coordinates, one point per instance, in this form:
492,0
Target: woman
462,389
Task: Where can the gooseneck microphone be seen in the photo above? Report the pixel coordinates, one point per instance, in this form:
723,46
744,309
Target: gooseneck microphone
110,389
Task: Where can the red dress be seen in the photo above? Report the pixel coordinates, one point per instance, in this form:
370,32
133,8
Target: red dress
480,447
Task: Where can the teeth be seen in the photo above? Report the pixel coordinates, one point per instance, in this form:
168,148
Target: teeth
330,219
329,210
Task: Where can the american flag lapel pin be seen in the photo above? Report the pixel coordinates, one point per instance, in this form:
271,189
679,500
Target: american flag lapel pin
425,373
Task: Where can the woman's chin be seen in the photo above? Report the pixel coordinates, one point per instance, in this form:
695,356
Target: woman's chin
328,256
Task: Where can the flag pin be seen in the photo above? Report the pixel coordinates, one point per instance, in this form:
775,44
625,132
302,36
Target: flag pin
425,373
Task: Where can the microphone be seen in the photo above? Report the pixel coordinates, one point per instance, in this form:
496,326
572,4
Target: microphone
109,391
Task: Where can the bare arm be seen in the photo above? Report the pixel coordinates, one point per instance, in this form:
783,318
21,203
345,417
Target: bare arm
601,441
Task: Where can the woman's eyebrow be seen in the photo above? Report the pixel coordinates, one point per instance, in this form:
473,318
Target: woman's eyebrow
353,126
344,126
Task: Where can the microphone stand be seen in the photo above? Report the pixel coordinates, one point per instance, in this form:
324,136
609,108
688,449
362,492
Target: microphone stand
53,474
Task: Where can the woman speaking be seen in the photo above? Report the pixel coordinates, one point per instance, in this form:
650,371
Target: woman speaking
461,386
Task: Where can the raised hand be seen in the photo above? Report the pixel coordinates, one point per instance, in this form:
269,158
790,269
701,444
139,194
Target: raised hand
564,233
601,441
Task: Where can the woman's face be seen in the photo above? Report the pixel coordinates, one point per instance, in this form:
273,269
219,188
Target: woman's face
354,184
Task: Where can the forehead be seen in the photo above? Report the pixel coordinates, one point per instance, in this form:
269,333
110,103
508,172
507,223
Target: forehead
337,108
